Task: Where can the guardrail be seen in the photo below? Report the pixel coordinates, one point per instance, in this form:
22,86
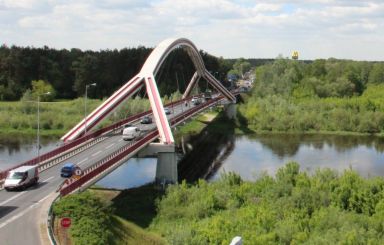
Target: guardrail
61,153
89,173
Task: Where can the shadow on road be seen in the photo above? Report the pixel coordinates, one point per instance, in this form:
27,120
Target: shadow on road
4,210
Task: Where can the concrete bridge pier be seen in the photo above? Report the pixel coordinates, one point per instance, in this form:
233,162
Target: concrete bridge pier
166,169
230,110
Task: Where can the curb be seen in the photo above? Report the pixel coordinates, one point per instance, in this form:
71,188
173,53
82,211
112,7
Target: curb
45,220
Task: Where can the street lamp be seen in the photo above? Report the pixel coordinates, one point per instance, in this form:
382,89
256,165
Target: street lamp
85,106
38,125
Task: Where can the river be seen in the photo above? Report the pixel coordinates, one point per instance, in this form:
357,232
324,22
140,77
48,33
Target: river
248,156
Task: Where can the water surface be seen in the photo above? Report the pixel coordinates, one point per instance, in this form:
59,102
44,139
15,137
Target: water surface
255,154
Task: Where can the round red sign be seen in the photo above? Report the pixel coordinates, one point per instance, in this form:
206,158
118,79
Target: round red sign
65,222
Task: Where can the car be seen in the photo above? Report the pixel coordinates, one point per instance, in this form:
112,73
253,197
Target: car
131,133
195,100
167,111
146,120
68,170
207,96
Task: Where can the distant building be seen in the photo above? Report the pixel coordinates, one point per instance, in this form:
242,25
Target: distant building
295,55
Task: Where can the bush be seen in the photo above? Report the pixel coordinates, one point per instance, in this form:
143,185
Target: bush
293,208
91,219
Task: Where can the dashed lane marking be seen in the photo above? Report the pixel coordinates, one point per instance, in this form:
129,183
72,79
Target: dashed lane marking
46,180
97,153
14,197
82,161
22,213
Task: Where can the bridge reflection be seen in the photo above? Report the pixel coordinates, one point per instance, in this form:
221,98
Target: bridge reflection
204,153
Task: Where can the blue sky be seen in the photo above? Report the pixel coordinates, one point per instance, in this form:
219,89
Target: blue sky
348,29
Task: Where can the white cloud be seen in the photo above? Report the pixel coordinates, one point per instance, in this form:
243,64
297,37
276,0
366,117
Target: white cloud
241,28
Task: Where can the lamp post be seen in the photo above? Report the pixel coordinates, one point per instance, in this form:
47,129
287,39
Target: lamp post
85,106
38,125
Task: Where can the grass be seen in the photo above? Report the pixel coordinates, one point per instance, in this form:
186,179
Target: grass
57,118
197,124
137,205
134,210
125,232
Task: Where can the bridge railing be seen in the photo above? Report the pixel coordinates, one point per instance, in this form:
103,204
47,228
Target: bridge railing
91,172
70,145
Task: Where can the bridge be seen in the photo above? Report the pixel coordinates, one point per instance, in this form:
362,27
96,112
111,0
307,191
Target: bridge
100,152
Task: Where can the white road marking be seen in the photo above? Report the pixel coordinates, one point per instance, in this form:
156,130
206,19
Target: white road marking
85,159
110,146
22,213
120,140
14,197
46,180
94,154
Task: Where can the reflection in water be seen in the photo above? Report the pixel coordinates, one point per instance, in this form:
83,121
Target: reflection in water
205,155
135,172
266,153
16,149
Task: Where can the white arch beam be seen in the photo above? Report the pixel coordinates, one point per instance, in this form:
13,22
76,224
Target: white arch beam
194,80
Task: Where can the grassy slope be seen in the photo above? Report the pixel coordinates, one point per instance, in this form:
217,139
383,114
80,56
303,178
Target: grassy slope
134,210
126,232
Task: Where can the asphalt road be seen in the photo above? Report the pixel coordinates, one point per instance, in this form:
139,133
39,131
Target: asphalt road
18,210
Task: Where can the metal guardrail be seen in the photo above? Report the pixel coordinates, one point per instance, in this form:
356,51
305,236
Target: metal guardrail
89,173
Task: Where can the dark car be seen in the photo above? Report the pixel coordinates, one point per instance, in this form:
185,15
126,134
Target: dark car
146,120
167,111
68,170
207,96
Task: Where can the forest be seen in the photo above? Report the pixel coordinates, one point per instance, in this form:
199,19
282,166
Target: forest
69,71
323,95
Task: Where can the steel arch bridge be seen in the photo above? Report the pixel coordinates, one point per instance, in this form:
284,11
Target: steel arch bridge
146,77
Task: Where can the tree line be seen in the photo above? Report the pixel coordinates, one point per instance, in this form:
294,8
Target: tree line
69,71
323,95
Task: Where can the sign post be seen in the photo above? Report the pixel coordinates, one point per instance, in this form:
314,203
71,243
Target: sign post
65,223
78,173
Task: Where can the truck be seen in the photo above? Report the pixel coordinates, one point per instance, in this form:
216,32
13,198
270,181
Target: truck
21,177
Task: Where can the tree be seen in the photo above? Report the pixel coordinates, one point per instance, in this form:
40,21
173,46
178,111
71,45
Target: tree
41,88
377,73
241,66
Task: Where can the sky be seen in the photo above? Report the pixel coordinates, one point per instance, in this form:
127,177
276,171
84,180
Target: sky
345,29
